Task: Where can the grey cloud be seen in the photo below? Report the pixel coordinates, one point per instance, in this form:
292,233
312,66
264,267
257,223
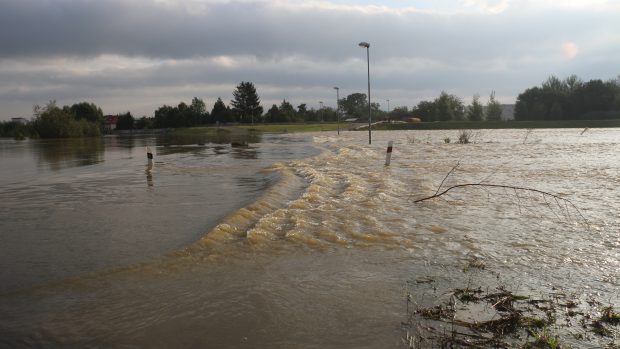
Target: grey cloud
298,52
138,28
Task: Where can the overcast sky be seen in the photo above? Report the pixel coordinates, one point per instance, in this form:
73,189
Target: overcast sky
137,55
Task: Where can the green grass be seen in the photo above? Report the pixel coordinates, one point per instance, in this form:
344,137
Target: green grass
262,128
293,128
200,130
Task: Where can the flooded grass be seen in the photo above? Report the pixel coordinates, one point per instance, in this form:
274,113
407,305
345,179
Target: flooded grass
488,313
294,128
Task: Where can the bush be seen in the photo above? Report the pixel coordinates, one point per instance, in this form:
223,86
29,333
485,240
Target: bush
464,136
53,122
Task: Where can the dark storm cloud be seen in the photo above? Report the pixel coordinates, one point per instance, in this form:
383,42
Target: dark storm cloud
33,28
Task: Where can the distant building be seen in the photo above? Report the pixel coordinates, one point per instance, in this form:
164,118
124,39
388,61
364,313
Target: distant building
21,121
109,123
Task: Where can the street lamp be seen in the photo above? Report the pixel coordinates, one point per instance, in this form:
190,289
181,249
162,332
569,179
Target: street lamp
338,107
367,46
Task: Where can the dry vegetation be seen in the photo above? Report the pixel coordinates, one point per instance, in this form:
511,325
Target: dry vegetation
478,315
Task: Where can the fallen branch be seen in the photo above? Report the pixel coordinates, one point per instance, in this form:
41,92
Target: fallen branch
558,200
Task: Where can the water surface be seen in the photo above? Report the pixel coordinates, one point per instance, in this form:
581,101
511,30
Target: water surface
320,255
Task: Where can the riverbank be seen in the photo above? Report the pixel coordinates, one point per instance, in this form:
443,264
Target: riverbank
223,134
457,125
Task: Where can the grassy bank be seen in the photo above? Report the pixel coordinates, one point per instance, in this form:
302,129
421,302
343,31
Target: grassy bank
294,128
261,128
447,125
452,125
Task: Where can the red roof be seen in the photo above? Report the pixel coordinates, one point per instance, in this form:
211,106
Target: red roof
110,119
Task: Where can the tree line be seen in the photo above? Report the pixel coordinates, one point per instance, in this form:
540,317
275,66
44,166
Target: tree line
51,121
570,99
555,99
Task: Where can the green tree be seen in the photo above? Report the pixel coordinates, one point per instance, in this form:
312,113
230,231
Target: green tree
197,112
246,103
302,111
425,110
494,109
273,114
570,98
16,130
475,111
221,113
556,112
164,116
355,105
573,83
144,122
287,111
87,111
400,113
51,121
449,107
125,122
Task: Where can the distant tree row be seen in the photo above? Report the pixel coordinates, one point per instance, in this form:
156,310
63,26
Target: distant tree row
555,99
570,99
182,115
79,120
448,107
50,121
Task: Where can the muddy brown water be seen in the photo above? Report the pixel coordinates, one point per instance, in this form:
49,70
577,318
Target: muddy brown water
317,245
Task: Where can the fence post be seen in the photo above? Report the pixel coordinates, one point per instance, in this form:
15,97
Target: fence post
388,155
149,156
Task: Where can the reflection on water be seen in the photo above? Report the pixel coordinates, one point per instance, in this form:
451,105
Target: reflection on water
64,153
174,142
244,153
88,209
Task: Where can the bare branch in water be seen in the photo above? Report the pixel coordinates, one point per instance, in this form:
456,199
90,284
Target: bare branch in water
446,177
527,134
516,189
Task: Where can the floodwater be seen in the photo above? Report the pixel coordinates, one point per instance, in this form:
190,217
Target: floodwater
304,241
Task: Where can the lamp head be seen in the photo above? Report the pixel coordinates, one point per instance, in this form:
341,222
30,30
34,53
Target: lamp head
364,44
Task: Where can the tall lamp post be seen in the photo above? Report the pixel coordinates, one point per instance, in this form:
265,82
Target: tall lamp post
367,46
338,107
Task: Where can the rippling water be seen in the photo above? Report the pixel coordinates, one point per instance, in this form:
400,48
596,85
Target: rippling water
320,257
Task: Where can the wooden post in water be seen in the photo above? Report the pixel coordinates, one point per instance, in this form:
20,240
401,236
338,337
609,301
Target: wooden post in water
149,156
388,155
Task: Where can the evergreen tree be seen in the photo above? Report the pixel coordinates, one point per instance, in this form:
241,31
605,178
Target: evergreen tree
494,109
287,111
246,103
220,113
273,114
475,110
